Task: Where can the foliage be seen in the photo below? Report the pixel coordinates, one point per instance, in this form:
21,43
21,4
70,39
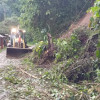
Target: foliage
10,76
6,25
55,75
39,48
98,75
42,15
4,9
38,51
9,8
67,48
17,84
95,19
14,7
59,85
83,33
98,53
98,49
28,62
95,22
39,17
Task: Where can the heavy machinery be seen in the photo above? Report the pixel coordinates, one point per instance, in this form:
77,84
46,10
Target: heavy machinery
17,46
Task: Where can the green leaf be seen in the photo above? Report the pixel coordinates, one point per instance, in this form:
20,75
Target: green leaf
98,45
48,12
98,53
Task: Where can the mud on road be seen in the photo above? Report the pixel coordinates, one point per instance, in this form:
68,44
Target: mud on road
4,61
18,82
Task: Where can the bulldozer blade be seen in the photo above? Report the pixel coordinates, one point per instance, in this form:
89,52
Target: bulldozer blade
17,52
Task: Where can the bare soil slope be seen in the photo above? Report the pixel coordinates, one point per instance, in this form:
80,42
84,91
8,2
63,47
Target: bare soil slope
84,21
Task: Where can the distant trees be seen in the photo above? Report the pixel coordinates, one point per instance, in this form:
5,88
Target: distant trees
3,9
51,15
42,16
9,8
14,6
1,13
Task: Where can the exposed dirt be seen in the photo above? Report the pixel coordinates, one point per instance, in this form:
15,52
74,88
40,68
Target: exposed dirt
4,61
84,21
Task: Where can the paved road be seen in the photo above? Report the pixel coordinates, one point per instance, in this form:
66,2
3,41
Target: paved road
4,61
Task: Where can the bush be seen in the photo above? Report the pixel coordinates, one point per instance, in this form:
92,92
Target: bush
38,51
67,48
83,34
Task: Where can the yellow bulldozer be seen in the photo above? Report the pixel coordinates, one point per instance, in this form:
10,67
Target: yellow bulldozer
17,46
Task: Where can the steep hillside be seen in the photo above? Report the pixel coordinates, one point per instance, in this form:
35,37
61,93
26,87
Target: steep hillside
84,21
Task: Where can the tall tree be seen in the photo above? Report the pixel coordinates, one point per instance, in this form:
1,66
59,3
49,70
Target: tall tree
51,15
3,9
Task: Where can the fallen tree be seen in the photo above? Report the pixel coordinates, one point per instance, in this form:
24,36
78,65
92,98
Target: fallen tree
83,68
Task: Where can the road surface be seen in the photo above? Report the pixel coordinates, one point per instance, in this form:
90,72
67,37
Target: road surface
4,61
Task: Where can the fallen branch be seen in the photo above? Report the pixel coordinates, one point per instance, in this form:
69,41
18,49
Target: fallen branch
90,83
35,78
77,91
28,73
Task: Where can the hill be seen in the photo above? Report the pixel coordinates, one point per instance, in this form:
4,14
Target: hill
84,21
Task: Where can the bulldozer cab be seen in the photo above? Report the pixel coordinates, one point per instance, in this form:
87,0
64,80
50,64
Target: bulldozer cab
17,38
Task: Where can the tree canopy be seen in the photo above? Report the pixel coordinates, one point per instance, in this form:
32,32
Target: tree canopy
40,16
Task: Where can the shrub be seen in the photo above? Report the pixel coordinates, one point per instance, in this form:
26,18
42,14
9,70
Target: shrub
38,51
67,48
82,34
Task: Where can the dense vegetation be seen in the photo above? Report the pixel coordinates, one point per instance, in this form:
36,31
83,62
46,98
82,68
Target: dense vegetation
76,61
39,17
8,15
67,69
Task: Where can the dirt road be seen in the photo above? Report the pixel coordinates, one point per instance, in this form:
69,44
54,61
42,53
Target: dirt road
4,61
25,78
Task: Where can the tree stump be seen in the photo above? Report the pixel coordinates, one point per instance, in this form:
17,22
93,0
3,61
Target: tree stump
48,55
